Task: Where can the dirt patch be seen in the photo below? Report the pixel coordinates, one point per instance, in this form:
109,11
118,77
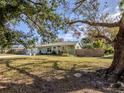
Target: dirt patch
87,82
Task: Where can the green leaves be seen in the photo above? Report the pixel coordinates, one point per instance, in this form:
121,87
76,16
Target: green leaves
121,3
6,38
37,14
37,11
99,44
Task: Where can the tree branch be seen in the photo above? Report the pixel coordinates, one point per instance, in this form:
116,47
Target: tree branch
79,3
35,3
115,24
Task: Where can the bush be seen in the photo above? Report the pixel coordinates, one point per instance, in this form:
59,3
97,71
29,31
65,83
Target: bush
109,50
11,51
99,44
89,46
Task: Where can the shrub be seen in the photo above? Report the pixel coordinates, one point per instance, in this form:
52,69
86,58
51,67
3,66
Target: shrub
109,50
99,44
89,46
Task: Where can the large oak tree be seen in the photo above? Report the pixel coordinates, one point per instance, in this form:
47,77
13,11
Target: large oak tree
90,7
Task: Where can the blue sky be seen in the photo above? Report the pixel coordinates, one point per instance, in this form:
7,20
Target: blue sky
112,8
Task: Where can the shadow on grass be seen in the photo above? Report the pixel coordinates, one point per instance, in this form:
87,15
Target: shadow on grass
69,83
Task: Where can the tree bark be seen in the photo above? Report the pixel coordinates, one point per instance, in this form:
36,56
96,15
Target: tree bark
117,65
115,24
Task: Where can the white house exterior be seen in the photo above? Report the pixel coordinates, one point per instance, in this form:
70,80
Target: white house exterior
58,48
77,46
32,51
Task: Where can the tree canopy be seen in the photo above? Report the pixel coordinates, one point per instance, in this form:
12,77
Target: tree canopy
39,15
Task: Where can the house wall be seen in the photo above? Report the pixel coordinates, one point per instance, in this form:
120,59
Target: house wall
57,49
42,50
77,46
33,51
71,49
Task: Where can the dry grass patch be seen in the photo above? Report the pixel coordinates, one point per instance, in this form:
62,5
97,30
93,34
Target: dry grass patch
28,71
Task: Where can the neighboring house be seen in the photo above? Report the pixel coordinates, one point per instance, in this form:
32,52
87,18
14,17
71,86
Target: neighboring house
58,48
18,49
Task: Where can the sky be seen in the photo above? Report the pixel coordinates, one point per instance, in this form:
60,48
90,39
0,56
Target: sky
112,8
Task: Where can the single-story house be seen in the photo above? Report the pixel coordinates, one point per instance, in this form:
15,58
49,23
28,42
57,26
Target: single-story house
58,48
20,49
17,49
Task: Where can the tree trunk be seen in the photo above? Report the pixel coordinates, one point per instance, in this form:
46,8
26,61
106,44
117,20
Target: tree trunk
117,65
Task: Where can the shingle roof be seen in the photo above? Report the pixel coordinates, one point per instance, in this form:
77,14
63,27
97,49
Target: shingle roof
17,46
58,44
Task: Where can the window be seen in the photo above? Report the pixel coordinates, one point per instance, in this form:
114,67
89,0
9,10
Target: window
48,50
54,47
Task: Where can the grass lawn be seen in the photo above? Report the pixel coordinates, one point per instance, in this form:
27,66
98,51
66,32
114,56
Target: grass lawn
42,74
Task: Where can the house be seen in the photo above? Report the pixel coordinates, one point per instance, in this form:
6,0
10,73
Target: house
18,49
67,47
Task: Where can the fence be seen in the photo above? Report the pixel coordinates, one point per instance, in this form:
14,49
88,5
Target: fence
89,52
